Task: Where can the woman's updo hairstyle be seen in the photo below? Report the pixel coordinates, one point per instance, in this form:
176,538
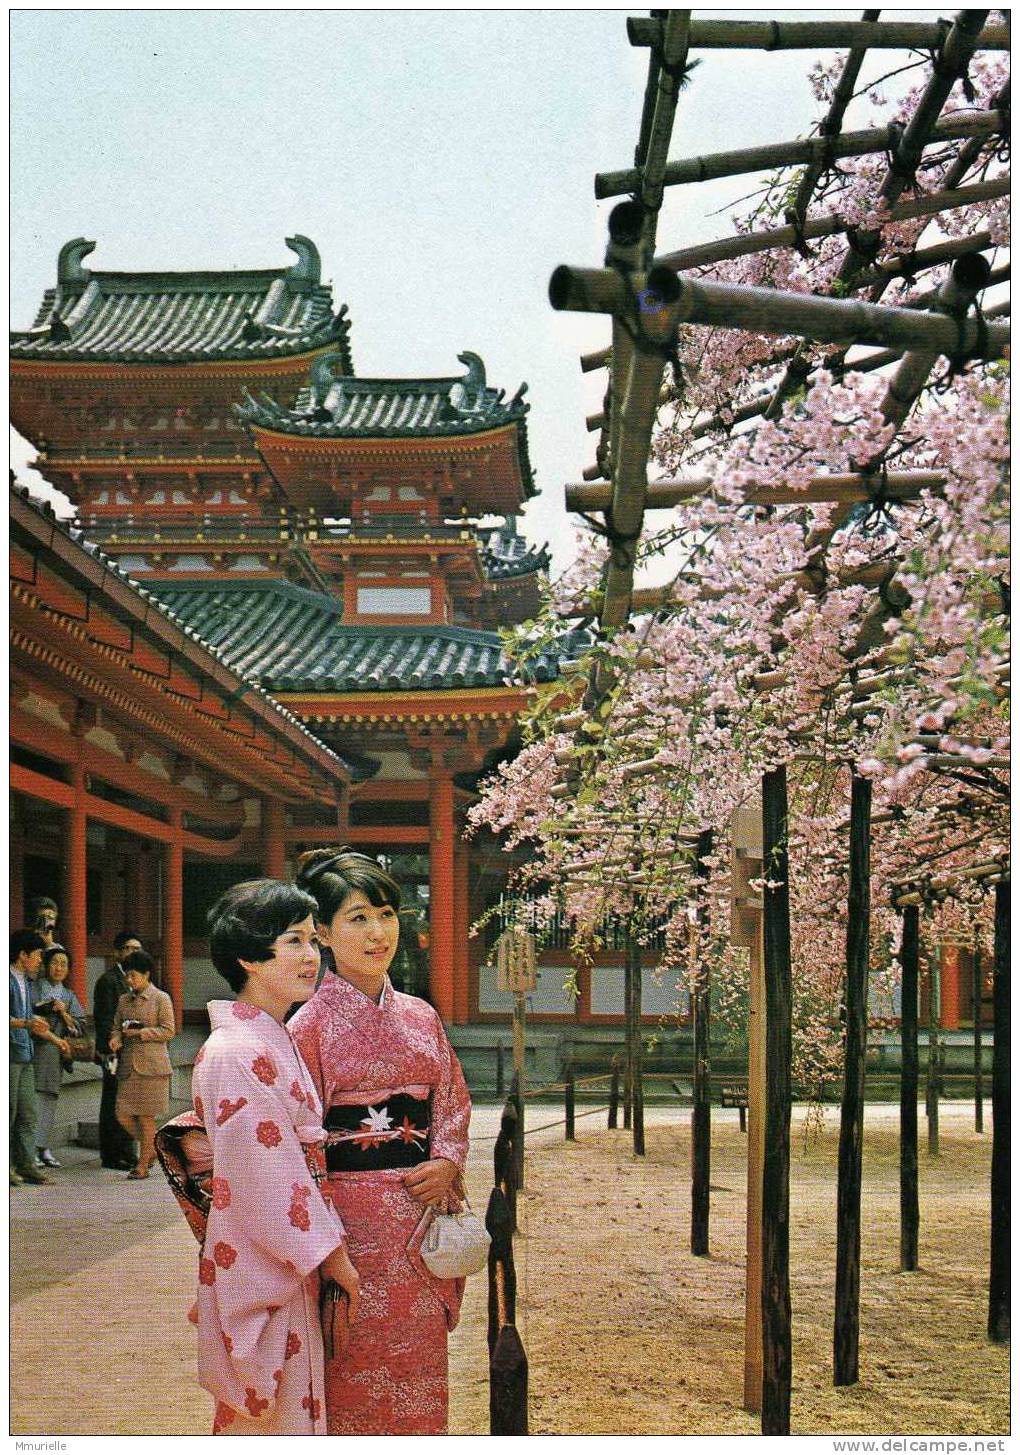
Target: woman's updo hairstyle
51,952
332,875
245,921
140,961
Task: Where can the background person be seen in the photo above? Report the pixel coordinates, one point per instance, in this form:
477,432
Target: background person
42,915
142,1026
60,1008
116,1148
397,1113
26,956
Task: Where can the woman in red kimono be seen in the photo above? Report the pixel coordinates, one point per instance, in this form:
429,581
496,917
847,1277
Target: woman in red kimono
396,1114
248,1169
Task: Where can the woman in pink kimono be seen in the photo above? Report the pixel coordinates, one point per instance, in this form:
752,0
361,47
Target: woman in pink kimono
397,1113
247,1166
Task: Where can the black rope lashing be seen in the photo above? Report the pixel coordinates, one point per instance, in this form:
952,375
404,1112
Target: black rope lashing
962,355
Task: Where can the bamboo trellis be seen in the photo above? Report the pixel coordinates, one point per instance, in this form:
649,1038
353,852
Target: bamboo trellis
648,296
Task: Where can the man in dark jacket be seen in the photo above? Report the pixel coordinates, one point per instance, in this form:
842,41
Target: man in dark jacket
26,957
116,1149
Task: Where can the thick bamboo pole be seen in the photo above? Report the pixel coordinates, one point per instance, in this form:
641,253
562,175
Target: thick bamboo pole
769,310
909,1208
998,1278
702,254
701,1115
777,1358
773,35
819,150
846,1324
841,489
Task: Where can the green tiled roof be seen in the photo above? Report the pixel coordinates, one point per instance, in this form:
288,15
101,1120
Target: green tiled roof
337,406
184,317
291,639
506,554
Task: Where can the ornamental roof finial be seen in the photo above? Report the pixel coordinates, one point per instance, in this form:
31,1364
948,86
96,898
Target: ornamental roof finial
308,268
69,268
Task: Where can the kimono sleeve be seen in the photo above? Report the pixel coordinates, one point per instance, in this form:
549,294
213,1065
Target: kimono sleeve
306,1031
267,1213
451,1106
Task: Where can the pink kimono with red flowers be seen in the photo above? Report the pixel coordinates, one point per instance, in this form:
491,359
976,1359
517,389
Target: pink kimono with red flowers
269,1227
392,1380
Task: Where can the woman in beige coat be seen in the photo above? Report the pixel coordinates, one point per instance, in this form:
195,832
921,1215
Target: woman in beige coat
142,1025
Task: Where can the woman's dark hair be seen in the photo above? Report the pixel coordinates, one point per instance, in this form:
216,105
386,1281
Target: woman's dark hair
331,875
52,950
244,922
140,961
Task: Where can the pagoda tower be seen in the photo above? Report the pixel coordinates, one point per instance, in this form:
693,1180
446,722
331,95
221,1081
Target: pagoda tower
349,545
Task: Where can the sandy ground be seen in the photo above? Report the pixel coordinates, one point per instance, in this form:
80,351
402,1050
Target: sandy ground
626,1332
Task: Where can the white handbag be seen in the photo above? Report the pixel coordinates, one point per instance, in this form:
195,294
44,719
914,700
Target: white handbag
455,1245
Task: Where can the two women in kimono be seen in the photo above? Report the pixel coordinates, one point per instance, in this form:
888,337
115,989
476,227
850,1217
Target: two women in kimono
277,1200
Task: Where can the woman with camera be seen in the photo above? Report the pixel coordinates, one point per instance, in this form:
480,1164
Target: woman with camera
397,1112
142,1026
63,1013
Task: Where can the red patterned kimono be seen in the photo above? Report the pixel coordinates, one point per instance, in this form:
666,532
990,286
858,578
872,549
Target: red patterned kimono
263,1224
394,1093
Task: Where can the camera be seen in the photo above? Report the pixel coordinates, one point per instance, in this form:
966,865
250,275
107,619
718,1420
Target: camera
132,1025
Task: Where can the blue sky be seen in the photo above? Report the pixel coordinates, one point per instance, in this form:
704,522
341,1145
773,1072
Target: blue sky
442,161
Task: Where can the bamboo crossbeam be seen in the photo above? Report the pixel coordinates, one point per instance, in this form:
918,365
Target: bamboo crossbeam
769,310
773,35
845,489
724,249
820,150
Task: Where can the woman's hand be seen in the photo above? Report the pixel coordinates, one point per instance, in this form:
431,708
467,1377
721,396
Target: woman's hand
432,1183
115,1043
61,1046
342,1271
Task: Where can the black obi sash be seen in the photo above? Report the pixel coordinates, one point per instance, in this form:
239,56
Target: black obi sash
395,1133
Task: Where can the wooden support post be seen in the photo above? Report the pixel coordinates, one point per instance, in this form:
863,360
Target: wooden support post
846,1323
979,1070
998,1279
614,1097
441,840
274,843
500,1072
932,1088
628,1059
568,1101
517,1085
909,1207
777,1358
636,1047
701,1114
173,918
756,1094
504,1159
74,910
502,1275
508,1385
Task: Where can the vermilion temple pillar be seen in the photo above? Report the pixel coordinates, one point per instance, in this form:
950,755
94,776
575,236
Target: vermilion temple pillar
951,987
274,848
74,910
16,872
441,895
173,918
461,921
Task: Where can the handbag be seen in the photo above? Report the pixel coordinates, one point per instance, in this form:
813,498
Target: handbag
81,1048
455,1245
